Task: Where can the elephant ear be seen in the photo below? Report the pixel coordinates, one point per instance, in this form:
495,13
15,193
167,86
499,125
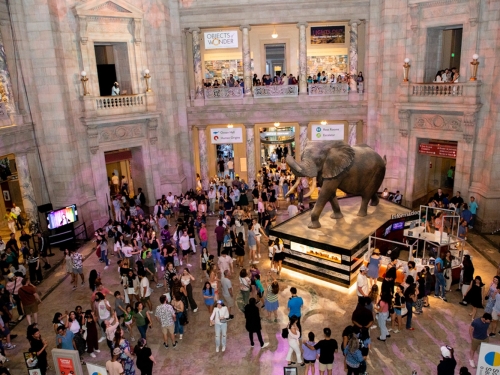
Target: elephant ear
339,159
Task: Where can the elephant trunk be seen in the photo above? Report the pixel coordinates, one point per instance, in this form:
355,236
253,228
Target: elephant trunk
306,168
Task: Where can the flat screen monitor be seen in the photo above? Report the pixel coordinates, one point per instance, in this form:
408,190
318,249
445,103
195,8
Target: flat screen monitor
62,216
398,226
387,230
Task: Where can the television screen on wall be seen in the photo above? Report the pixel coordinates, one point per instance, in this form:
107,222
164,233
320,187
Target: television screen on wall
387,230
62,216
398,226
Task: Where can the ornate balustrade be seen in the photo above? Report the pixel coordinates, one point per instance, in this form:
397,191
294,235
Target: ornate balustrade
435,94
215,93
437,89
118,105
120,101
329,89
275,91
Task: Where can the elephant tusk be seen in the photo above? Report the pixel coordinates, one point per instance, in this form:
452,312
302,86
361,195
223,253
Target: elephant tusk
313,187
294,187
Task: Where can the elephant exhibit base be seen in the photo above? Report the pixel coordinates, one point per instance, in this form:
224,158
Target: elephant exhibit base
332,251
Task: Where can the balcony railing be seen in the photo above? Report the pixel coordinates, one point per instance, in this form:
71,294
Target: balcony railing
275,91
437,89
118,105
215,93
329,89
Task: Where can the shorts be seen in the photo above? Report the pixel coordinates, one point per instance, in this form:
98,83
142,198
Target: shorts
253,247
31,309
186,252
145,299
129,322
325,366
398,312
204,266
309,360
476,343
78,271
229,301
494,314
168,329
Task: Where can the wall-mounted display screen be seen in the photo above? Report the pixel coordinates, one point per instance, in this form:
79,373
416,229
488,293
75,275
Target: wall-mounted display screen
62,216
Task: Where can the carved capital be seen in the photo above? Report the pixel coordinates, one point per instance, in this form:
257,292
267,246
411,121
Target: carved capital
403,114
414,16
194,30
354,23
94,149
305,24
152,123
468,138
248,27
153,140
403,133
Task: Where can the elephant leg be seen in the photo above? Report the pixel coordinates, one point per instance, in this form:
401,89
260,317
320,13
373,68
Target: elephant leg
375,199
363,209
316,211
337,214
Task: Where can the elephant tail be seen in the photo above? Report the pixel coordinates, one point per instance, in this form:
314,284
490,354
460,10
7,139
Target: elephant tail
385,160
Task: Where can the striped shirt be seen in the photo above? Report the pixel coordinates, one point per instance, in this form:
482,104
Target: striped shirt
271,297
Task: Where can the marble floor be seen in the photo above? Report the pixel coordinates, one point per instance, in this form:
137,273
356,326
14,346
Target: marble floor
325,306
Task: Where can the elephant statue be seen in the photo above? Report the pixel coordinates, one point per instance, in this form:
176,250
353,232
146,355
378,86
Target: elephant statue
356,170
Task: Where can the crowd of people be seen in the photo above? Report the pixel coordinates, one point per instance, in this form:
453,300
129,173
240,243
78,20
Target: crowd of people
449,75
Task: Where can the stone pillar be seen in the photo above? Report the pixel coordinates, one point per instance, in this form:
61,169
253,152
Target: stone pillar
247,66
198,74
26,186
202,145
303,135
352,133
302,58
5,83
353,53
251,173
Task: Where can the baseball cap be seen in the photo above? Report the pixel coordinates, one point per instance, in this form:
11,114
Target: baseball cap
117,351
10,276
445,352
363,268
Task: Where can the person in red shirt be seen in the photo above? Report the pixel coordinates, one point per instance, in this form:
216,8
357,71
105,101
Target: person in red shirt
30,300
219,235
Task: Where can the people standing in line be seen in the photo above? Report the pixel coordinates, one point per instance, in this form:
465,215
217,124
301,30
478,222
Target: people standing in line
219,319
252,323
294,306
327,349
293,342
478,332
383,307
362,287
447,365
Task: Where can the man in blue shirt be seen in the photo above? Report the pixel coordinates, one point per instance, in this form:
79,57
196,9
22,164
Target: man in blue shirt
295,304
64,339
440,281
473,210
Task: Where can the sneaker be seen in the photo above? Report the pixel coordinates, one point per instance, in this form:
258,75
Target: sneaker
174,344
180,337
266,344
195,310
373,326
102,339
389,330
463,303
97,351
9,346
396,331
472,364
12,336
444,299
436,296
92,355
223,348
106,267
189,265
20,318
165,346
217,349
255,262
387,335
74,288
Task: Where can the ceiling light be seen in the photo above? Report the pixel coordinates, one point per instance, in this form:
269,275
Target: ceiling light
323,122
230,125
276,124
274,34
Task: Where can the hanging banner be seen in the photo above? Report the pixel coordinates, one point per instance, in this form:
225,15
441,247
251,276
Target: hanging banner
334,132
221,39
327,34
489,359
226,135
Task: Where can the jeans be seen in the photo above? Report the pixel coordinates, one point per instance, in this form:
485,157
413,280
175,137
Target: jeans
178,327
382,319
104,257
259,336
285,190
142,331
440,283
409,306
156,256
220,329
203,244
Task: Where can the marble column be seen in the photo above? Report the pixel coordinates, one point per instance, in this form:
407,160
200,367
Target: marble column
303,135
198,74
247,66
202,145
351,135
302,58
353,53
5,82
251,170
26,187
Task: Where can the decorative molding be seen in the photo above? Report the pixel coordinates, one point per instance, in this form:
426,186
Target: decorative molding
468,138
469,126
152,130
404,121
474,12
120,132
438,3
414,16
110,6
101,27
437,122
94,149
137,30
82,21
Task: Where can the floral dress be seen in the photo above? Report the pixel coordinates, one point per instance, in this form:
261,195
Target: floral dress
127,362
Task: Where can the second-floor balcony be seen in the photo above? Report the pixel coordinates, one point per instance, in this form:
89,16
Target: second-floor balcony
96,106
274,91
432,94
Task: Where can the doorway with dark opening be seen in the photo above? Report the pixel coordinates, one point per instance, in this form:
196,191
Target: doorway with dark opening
275,59
276,143
225,160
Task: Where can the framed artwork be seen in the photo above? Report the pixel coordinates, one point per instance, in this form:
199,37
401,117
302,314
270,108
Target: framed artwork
6,195
327,34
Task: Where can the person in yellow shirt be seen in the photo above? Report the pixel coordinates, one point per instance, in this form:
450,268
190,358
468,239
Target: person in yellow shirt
11,219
